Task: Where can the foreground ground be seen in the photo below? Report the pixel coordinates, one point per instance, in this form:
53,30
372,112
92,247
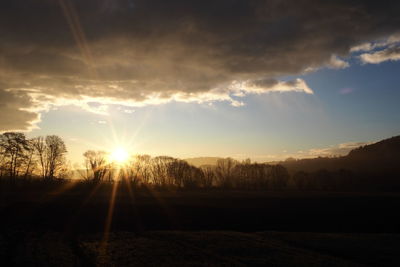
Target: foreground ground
207,248
89,226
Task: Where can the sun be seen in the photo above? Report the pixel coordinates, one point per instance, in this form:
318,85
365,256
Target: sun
119,155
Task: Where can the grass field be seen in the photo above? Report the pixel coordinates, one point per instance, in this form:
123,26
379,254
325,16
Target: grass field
203,248
68,227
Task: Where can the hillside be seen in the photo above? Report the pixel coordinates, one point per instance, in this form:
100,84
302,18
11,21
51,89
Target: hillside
200,161
383,156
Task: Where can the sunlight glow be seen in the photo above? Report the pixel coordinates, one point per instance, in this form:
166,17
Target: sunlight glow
119,155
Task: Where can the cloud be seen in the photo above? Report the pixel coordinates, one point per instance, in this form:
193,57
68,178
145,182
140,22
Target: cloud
125,110
153,51
14,112
337,63
346,91
392,39
386,49
389,54
362,47
269,85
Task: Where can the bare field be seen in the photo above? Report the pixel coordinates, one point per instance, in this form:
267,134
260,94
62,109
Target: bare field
204,248
215,228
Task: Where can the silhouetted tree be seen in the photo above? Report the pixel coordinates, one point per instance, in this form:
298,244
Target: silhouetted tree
51,151
142,165
159,170
301,179
130,173
323,179
39,145
30,161
279,177
225,172
208,176
96,162
14,147
55,155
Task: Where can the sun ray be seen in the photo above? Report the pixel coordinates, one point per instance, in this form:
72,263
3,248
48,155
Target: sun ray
110,213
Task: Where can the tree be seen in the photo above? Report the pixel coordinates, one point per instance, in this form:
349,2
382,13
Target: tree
301,179
30,163
51,152
184,175
279,177
56,151
14,147
97,162
142,165
207,179
159,170
39,145
225,171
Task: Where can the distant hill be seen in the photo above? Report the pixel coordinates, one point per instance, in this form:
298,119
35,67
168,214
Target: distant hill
382,157
200,161
387,149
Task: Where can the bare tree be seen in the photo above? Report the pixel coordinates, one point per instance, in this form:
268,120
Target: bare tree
3,161
51,152
181,174
225,172
30,162
97,162
130,173
160,169
39,146
208,177
56,151
301,178
14,147
142,165
279,177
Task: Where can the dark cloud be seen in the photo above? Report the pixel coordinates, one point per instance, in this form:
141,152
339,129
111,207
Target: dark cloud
153,51
14,113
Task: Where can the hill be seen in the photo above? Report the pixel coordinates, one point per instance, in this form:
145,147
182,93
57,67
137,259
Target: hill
200,161
380,157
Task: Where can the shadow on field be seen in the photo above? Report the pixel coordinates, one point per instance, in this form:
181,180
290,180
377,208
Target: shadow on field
221,248
234,228
87,209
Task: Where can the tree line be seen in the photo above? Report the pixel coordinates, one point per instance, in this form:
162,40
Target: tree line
169,172
44,158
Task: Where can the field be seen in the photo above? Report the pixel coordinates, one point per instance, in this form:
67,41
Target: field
73,225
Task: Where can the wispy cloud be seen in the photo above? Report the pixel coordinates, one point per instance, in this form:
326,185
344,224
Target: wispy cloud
337,63
346,91
269,85
389,54
369,46
378,51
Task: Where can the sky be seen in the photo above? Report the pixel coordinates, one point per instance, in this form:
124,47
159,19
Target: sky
265,80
